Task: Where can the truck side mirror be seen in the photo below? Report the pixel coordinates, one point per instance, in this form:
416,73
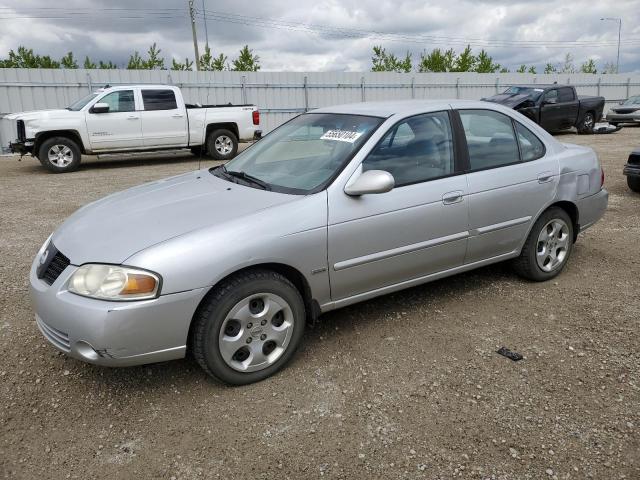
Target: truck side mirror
100,108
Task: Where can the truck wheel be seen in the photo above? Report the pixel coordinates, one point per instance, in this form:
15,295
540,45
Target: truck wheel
59,155
548,246
587,124
634,183
248,327
222,144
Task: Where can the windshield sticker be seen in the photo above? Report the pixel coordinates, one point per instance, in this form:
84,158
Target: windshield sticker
538,90
341,135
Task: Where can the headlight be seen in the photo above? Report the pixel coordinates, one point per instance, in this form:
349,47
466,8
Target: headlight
113,282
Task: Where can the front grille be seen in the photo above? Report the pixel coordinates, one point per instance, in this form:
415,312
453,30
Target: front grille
55,336
56,266
22,136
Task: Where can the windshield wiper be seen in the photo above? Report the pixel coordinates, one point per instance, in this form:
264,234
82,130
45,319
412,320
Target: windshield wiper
248,178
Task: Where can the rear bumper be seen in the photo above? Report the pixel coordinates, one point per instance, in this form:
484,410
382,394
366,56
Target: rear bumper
631,170
592,208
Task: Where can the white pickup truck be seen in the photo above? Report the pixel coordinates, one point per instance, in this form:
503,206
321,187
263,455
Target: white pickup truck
129,119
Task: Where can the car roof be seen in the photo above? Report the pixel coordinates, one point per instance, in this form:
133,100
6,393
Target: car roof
389,108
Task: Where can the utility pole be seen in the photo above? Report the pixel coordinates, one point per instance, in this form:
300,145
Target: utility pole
192,14
206,31
619,20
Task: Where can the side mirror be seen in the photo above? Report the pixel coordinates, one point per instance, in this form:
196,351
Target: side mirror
371,181
549,101
100,108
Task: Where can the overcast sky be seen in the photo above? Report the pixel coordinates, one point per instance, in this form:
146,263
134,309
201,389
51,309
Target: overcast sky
98,28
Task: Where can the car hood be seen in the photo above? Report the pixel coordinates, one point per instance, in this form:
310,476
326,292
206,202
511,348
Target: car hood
511,100
114,228
40,114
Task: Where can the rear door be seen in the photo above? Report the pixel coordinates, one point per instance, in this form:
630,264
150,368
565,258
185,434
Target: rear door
120,127
418,228
164,120
511,179
568,106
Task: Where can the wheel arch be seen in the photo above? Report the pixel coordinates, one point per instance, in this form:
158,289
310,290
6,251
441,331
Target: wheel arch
312,307
571,209
70,134
231,126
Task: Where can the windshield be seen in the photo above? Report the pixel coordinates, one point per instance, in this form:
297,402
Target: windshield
304,154
531,92
74,107
632,101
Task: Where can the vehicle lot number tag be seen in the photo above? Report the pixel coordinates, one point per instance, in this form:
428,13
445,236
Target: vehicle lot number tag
341,135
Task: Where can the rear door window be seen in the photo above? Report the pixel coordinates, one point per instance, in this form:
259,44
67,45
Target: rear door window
565,95
159,99
531,147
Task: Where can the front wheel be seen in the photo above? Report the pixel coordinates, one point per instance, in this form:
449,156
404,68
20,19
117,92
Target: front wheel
548,246
634,183
249,327
587,124
59,155
222,144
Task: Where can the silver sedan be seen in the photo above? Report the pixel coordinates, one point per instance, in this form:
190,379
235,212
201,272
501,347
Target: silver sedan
334,207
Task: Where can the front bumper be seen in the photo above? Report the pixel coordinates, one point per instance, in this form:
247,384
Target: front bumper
112,333
21,147
592,208
623,117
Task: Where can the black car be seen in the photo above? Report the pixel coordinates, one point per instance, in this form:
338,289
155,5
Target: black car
632,171
554,107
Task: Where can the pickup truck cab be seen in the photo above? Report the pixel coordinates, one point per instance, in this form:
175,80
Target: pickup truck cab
553,107
127,119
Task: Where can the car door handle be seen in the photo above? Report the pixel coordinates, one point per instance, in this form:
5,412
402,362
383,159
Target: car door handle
177,115
545,177
133,117
452,197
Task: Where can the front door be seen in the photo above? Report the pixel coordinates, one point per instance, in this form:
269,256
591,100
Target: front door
550,111
418,228
118,128
511,179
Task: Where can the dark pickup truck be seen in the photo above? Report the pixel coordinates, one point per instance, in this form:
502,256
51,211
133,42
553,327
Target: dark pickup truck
553,107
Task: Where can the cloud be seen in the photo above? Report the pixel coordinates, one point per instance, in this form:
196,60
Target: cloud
113,29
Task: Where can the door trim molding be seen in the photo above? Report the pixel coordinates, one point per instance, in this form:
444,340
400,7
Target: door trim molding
373,257
500,226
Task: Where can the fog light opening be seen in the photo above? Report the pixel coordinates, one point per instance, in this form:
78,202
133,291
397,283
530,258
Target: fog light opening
86,351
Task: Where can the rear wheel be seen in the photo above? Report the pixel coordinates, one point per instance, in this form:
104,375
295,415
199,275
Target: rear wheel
548,246
59,155
587,124
222,144
634,183
249,327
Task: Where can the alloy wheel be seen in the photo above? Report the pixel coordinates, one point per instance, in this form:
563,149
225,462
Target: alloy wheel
553,245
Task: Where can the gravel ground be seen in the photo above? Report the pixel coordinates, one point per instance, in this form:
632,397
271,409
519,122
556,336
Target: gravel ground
404,386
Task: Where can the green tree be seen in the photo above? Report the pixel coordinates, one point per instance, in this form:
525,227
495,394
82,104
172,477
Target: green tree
181,66
68,61
88,64
589,67
220,63
107,65
486,64
522,69
465,62
135,62
550,68
388,62
246,61
532,69
25,58
437,61
210,63
154,61
568,66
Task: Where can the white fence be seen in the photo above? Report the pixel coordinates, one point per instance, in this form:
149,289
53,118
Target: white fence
280,95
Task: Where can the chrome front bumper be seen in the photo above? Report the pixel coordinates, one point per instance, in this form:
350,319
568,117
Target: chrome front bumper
112,333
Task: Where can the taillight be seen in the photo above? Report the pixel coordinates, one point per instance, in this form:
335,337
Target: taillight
256,117
601,178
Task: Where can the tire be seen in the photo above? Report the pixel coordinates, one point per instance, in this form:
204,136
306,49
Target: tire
59,154
266,334
532,263
586,125
634,183
222,144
